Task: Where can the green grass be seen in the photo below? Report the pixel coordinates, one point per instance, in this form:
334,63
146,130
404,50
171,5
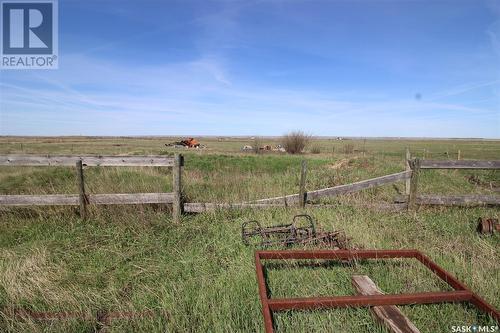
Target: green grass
198,276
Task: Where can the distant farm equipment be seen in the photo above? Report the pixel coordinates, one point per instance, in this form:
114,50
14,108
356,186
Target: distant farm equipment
263,148
188,143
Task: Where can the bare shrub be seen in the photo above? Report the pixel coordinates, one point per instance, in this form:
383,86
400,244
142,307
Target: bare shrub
348,148
316,149
295,142
256,144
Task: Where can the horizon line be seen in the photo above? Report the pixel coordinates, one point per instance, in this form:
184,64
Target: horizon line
336,137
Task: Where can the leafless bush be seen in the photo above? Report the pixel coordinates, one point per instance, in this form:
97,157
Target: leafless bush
257,143
295,142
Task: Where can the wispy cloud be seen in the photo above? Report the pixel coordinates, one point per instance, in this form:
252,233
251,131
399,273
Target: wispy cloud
211,66
493,33
91,96
458,90
241,74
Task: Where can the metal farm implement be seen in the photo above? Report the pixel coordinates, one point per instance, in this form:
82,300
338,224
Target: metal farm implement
302,231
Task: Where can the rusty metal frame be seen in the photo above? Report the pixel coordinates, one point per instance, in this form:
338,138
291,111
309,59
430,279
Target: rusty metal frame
460,293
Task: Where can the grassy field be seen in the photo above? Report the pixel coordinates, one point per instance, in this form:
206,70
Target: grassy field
198,276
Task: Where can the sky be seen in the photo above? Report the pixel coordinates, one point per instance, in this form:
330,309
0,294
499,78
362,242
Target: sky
366,68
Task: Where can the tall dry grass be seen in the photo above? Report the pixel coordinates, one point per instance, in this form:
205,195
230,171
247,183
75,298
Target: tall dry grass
133,258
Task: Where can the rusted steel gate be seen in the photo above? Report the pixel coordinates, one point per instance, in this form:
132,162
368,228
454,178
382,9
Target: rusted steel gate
460,293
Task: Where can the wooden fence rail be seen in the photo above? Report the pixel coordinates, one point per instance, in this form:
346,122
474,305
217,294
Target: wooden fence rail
461,164
40,160
200,207
341,189
40,200
93,199
358,186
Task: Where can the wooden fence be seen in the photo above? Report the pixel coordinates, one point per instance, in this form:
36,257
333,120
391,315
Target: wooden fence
174,198
416,165
411,176
83,199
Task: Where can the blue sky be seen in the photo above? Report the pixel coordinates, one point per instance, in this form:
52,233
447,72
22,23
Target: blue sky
346,68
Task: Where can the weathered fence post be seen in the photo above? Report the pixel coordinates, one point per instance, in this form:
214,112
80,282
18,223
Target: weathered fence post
177,184
407,168
81,189
302,192
415,167
459,155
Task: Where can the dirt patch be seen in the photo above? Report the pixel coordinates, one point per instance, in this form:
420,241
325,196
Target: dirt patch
342,163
